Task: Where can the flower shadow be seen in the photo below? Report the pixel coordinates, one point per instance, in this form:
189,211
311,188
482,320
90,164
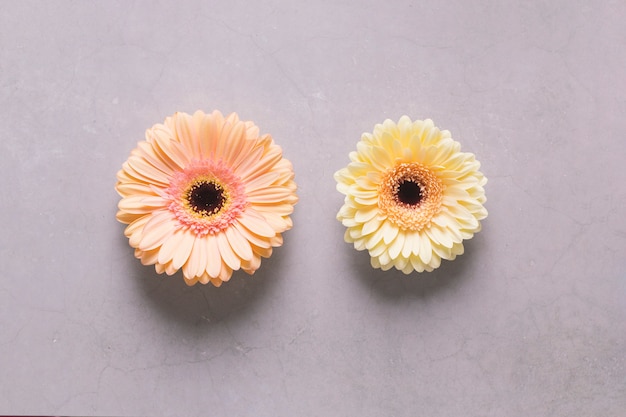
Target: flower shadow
393,284
202,305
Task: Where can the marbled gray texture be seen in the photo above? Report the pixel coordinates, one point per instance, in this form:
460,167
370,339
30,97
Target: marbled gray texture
531,321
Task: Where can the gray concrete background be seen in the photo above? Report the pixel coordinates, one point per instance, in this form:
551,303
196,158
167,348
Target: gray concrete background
529,322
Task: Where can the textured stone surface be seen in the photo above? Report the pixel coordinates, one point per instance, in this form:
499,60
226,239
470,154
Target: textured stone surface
529,322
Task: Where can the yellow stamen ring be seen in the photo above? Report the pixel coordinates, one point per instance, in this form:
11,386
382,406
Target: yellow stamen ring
410,195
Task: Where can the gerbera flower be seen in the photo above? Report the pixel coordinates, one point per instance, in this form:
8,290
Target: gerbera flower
412,196
206,194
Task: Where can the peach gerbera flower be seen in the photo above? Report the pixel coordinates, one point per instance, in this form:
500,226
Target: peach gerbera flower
412,196
205,194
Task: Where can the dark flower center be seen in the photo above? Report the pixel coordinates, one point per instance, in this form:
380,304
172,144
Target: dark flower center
409,192
206,197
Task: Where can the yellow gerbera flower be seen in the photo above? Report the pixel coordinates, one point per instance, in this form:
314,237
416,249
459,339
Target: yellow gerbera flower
206,194
412,196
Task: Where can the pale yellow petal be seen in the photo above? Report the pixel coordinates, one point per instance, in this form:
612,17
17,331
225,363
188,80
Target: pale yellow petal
439,235
389,231
409,239
396,246
417,264
365,215
426,251
378,249
371,226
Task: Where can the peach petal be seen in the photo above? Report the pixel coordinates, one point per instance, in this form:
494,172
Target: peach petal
252,265
265,164
161,225
214,260
235,140
171,245
204,278
268,195
239,244
186,133
251,237
191,281
141,204
156,231
225,273
197,263
279,209
183,251
254,222
227,252
262,181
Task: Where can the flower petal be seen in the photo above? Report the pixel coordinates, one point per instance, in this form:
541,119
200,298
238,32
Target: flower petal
214,259
157,230
269,195
164,224
254,239
183,251
196,264
389,231
396,246
426,251
239,244
171,245
227,252
254,222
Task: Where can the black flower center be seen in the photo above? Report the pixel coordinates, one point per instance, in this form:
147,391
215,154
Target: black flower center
409,192
206,197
